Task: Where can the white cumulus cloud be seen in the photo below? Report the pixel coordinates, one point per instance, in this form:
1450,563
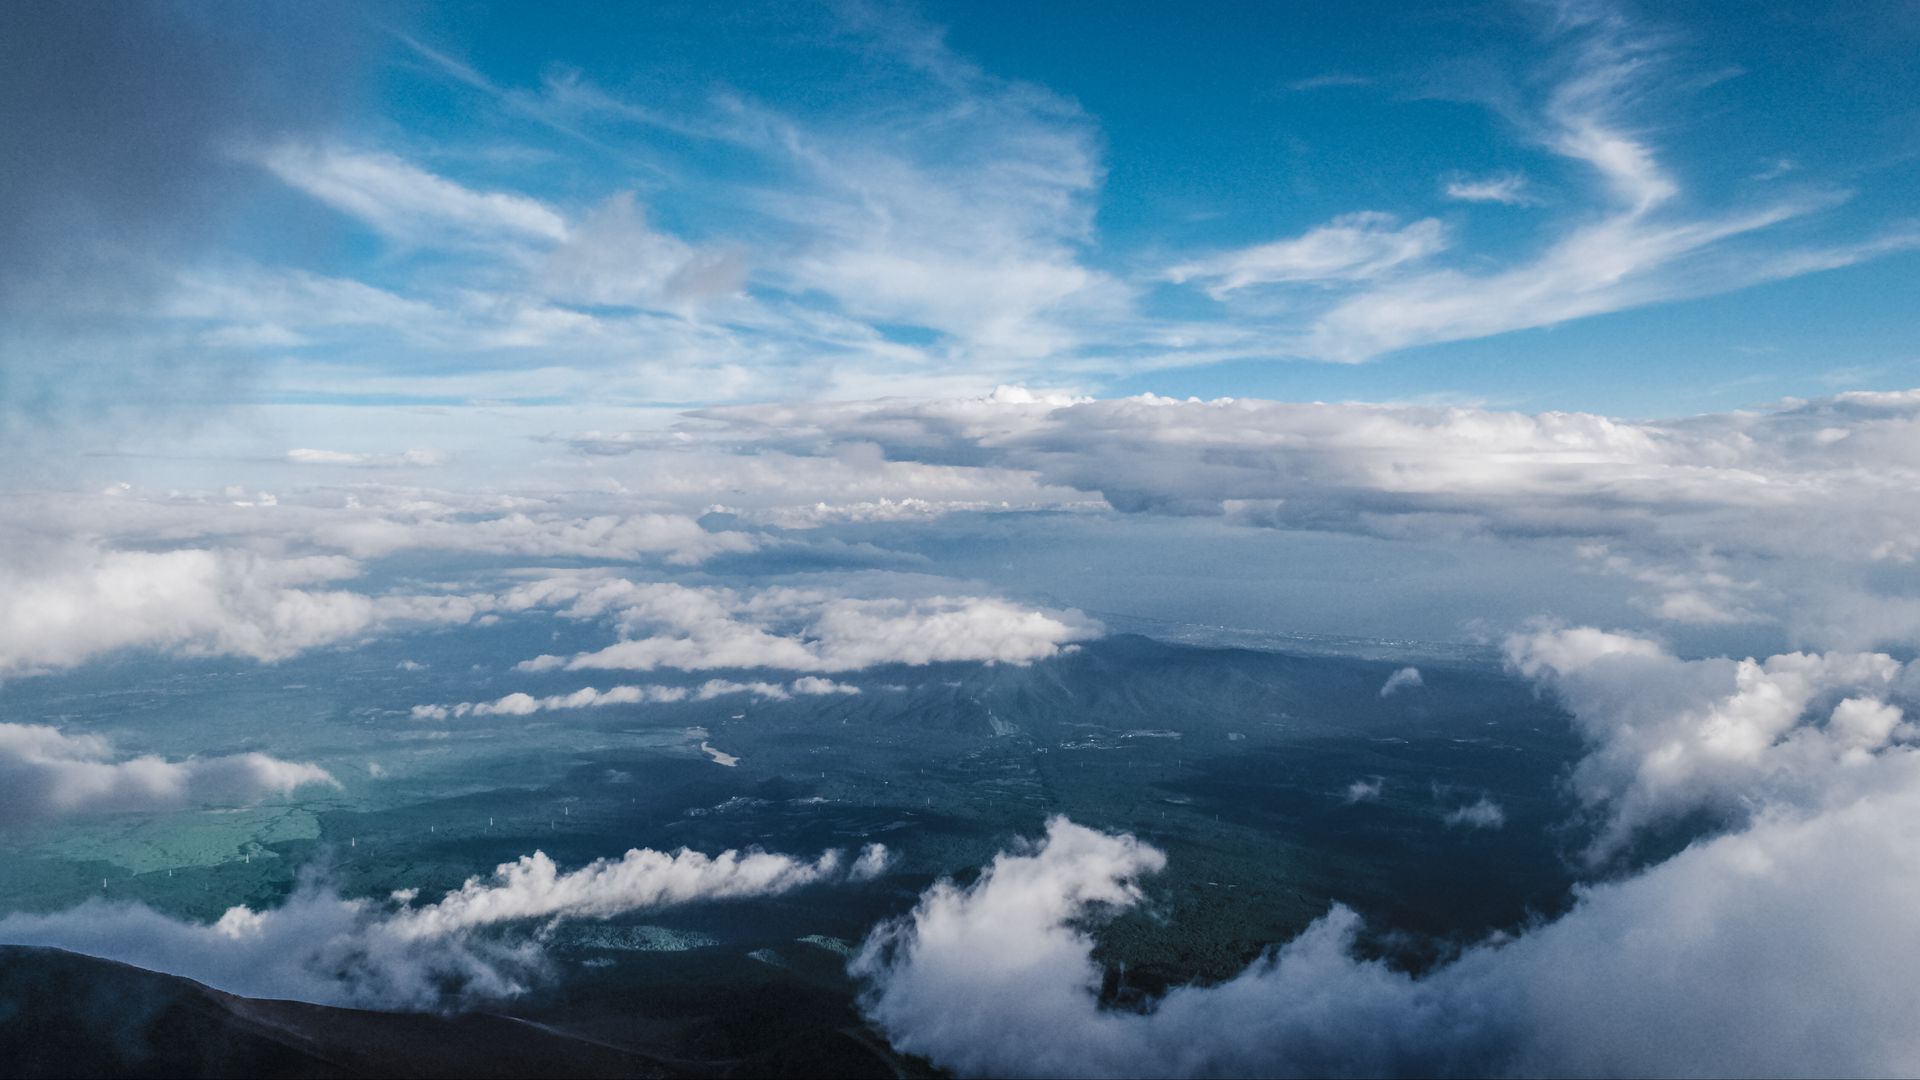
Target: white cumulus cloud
1406,678
46,774
79,602
1669,737
1483,813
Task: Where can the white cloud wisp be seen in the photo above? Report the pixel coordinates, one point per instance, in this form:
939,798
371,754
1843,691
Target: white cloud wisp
665,625
523,704
318,946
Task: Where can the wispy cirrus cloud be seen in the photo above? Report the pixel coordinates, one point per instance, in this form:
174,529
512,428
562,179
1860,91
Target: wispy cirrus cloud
1510,189
958,206
937,227
1640,251
1641,244
1331,80
405,202
1354,247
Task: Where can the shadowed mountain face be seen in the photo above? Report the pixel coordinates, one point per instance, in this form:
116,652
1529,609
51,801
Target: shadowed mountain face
62,1014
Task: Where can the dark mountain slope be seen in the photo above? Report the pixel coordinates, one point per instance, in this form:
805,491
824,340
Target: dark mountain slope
62,1014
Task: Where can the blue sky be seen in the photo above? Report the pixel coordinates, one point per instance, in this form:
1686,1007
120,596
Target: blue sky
1641,212
1589,285
784,343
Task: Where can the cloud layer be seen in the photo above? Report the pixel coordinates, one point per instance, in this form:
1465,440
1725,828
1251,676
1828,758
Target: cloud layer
1712,519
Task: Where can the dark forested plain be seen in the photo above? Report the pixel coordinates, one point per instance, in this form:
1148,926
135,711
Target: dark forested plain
1277,783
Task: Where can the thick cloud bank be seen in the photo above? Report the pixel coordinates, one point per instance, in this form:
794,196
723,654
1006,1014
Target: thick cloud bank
1811,467
321,947
1781,950
1722,518
47,774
